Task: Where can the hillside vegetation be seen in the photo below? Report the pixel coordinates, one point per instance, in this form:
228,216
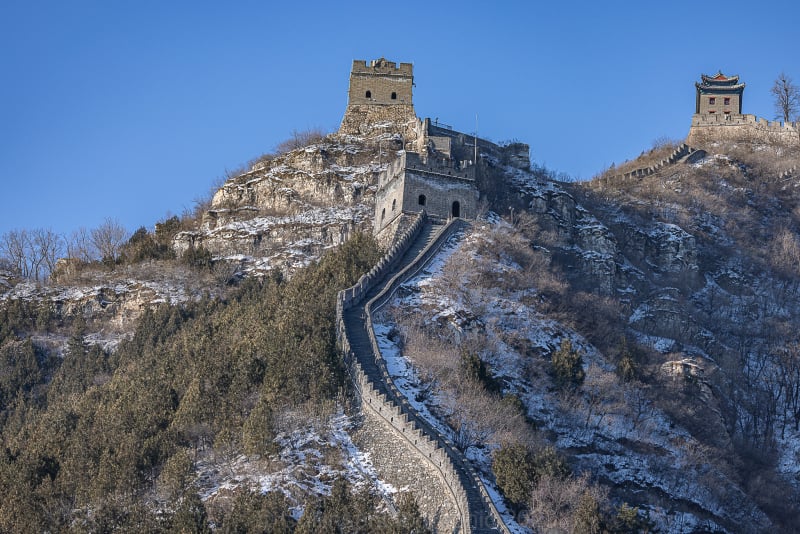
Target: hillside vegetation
619,355
101,441
622,354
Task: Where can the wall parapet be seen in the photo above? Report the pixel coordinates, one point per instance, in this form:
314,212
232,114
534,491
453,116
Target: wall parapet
392,406
413,162
382,66
683,151
715,119
707,128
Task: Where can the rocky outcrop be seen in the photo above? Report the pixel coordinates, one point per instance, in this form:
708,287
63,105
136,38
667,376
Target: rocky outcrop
371,120
287,209
115,298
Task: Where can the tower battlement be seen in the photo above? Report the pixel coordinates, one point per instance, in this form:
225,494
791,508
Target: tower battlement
381,83
383,66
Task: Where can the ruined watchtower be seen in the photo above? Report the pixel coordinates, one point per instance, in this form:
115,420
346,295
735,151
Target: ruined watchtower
380,100
436,168
719,95
381,83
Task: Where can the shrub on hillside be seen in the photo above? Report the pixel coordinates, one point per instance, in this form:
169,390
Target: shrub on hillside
566,366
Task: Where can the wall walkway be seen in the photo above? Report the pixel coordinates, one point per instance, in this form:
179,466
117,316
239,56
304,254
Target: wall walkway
375,387
683,152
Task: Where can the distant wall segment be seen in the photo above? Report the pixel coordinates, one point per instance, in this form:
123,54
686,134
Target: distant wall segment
717,127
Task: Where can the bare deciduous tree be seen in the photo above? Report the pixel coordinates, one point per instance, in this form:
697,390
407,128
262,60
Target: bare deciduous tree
787,98
14,248
558,504
31,254
108,238
80,247
48,247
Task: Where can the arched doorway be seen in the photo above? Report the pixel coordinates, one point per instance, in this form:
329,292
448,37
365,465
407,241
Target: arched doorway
422,200
456,210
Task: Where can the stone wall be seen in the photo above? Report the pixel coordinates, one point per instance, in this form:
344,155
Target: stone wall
683,151
397,415
398,463
440,195
370,120
461,145
411,184
708,129
389,202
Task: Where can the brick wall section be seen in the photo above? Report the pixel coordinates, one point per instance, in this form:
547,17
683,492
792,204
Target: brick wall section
380,100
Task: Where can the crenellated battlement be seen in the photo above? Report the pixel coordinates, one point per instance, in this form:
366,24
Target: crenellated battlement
381,83
709,128
718,116
382,66
735,120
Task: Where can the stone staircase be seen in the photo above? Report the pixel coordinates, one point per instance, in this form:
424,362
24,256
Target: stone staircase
375,388
684,153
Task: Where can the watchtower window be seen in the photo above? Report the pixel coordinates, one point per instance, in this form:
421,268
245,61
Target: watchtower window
369,94
394,203
383,214
712,100
422,200
726,101
394,95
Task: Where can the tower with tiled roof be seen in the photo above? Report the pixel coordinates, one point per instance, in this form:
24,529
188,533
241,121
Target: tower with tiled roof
719,95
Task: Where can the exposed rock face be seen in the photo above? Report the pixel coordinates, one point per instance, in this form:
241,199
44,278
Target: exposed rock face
371,120
666,248
110,304
285,210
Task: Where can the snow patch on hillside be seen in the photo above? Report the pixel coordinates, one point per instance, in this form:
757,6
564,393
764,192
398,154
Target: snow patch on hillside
310,459
621,437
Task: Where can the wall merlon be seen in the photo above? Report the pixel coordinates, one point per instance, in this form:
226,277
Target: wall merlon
382,66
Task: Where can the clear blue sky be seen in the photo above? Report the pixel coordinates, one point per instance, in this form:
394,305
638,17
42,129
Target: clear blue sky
132,109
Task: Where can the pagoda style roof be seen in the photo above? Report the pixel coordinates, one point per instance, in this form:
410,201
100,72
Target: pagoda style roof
720,81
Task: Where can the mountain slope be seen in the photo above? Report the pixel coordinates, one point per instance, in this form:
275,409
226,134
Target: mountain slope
679,291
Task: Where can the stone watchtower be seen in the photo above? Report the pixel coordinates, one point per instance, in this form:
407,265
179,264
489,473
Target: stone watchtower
437,168
718,116
380,100
380,83
719,95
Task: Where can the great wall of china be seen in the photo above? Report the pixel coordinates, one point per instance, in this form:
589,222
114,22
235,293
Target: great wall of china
378,394
380,102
